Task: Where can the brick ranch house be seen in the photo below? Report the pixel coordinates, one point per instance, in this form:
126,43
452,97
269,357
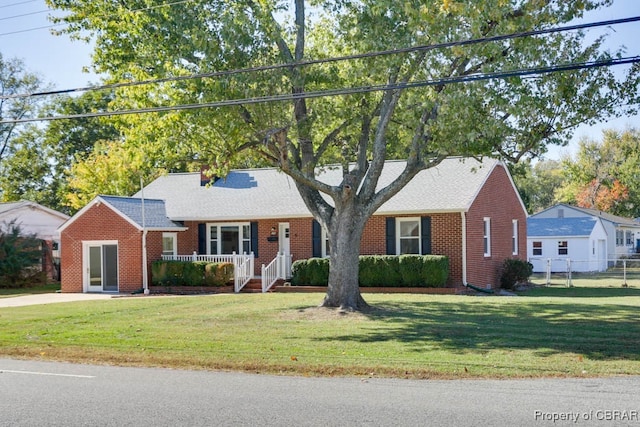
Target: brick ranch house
466,209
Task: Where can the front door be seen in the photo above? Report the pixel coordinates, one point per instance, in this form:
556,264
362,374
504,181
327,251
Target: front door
284,247
101,266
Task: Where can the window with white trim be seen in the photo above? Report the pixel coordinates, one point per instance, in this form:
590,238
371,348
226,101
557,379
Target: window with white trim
563,247
324,243
228,238
170,244
619,238
486,236
408,236
629,238
514,237
537,248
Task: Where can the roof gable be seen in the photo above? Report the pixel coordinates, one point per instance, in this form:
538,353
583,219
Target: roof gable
614,219
130,209
33,218
10,208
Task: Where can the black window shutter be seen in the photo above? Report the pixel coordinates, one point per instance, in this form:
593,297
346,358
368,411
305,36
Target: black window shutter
202,239
425,225
391,235
316,239
254,238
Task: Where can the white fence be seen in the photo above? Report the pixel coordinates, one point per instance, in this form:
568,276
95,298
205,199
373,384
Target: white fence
620,271
242,265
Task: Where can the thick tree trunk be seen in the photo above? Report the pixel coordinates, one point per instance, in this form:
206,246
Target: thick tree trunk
343,289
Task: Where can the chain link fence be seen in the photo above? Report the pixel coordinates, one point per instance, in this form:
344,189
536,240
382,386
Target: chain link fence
623,272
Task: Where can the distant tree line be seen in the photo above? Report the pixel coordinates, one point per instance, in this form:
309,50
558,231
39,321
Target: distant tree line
604,174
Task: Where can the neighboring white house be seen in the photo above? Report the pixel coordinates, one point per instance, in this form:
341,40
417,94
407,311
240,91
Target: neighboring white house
583,241
623,234
33,218
41,221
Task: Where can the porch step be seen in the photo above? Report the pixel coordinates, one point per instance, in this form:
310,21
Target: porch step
255,286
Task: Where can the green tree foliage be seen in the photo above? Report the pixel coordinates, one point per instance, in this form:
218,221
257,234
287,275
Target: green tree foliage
14,80
511,118
605,174
19,252
537,183
41,157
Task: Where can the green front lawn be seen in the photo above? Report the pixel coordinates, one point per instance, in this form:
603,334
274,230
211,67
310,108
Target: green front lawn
416,336
40,289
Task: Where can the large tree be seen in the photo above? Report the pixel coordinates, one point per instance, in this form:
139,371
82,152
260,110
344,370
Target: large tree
512,117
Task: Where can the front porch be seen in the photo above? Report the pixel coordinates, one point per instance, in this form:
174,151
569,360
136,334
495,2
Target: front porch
279,269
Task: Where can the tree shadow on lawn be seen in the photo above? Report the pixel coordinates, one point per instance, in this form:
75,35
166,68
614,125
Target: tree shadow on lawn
581,292
602,332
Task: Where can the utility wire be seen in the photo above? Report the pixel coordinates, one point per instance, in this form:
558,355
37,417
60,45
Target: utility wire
18,4
528,72
420,48
142,9
24,14
30,29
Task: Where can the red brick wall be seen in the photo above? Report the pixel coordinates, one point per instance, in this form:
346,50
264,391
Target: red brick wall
101,223
499,201
446,240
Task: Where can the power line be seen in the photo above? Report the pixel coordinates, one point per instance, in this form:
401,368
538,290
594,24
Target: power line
528,72
18,4
142,9
420,48
30,29
24,14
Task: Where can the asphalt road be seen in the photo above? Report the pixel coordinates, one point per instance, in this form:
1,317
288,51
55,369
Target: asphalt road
34,393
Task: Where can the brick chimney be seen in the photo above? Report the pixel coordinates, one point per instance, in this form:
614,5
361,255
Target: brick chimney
204,177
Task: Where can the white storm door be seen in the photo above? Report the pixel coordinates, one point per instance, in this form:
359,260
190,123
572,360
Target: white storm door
284,247
101,267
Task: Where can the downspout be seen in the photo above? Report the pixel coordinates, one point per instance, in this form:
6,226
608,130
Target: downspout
463,218
145,282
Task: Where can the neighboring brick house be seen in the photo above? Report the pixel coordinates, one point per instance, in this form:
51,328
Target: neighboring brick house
465,209
41,221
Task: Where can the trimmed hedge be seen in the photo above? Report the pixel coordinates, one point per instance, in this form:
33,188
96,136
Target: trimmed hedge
429,271
188,273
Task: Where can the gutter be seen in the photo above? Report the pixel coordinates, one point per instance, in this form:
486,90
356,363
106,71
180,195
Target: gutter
463,218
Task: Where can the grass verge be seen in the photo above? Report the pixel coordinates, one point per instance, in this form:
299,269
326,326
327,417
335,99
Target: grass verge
405,336
30,290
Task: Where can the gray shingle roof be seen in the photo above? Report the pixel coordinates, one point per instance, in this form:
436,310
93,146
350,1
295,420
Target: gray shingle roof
618,220
268,193
557,227
131,207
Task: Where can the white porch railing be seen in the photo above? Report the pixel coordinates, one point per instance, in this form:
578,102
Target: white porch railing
242,265
278,268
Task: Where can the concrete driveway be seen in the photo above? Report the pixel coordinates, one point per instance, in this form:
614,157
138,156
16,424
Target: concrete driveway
23,300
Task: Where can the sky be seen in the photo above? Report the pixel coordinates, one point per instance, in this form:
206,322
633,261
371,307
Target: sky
25,33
